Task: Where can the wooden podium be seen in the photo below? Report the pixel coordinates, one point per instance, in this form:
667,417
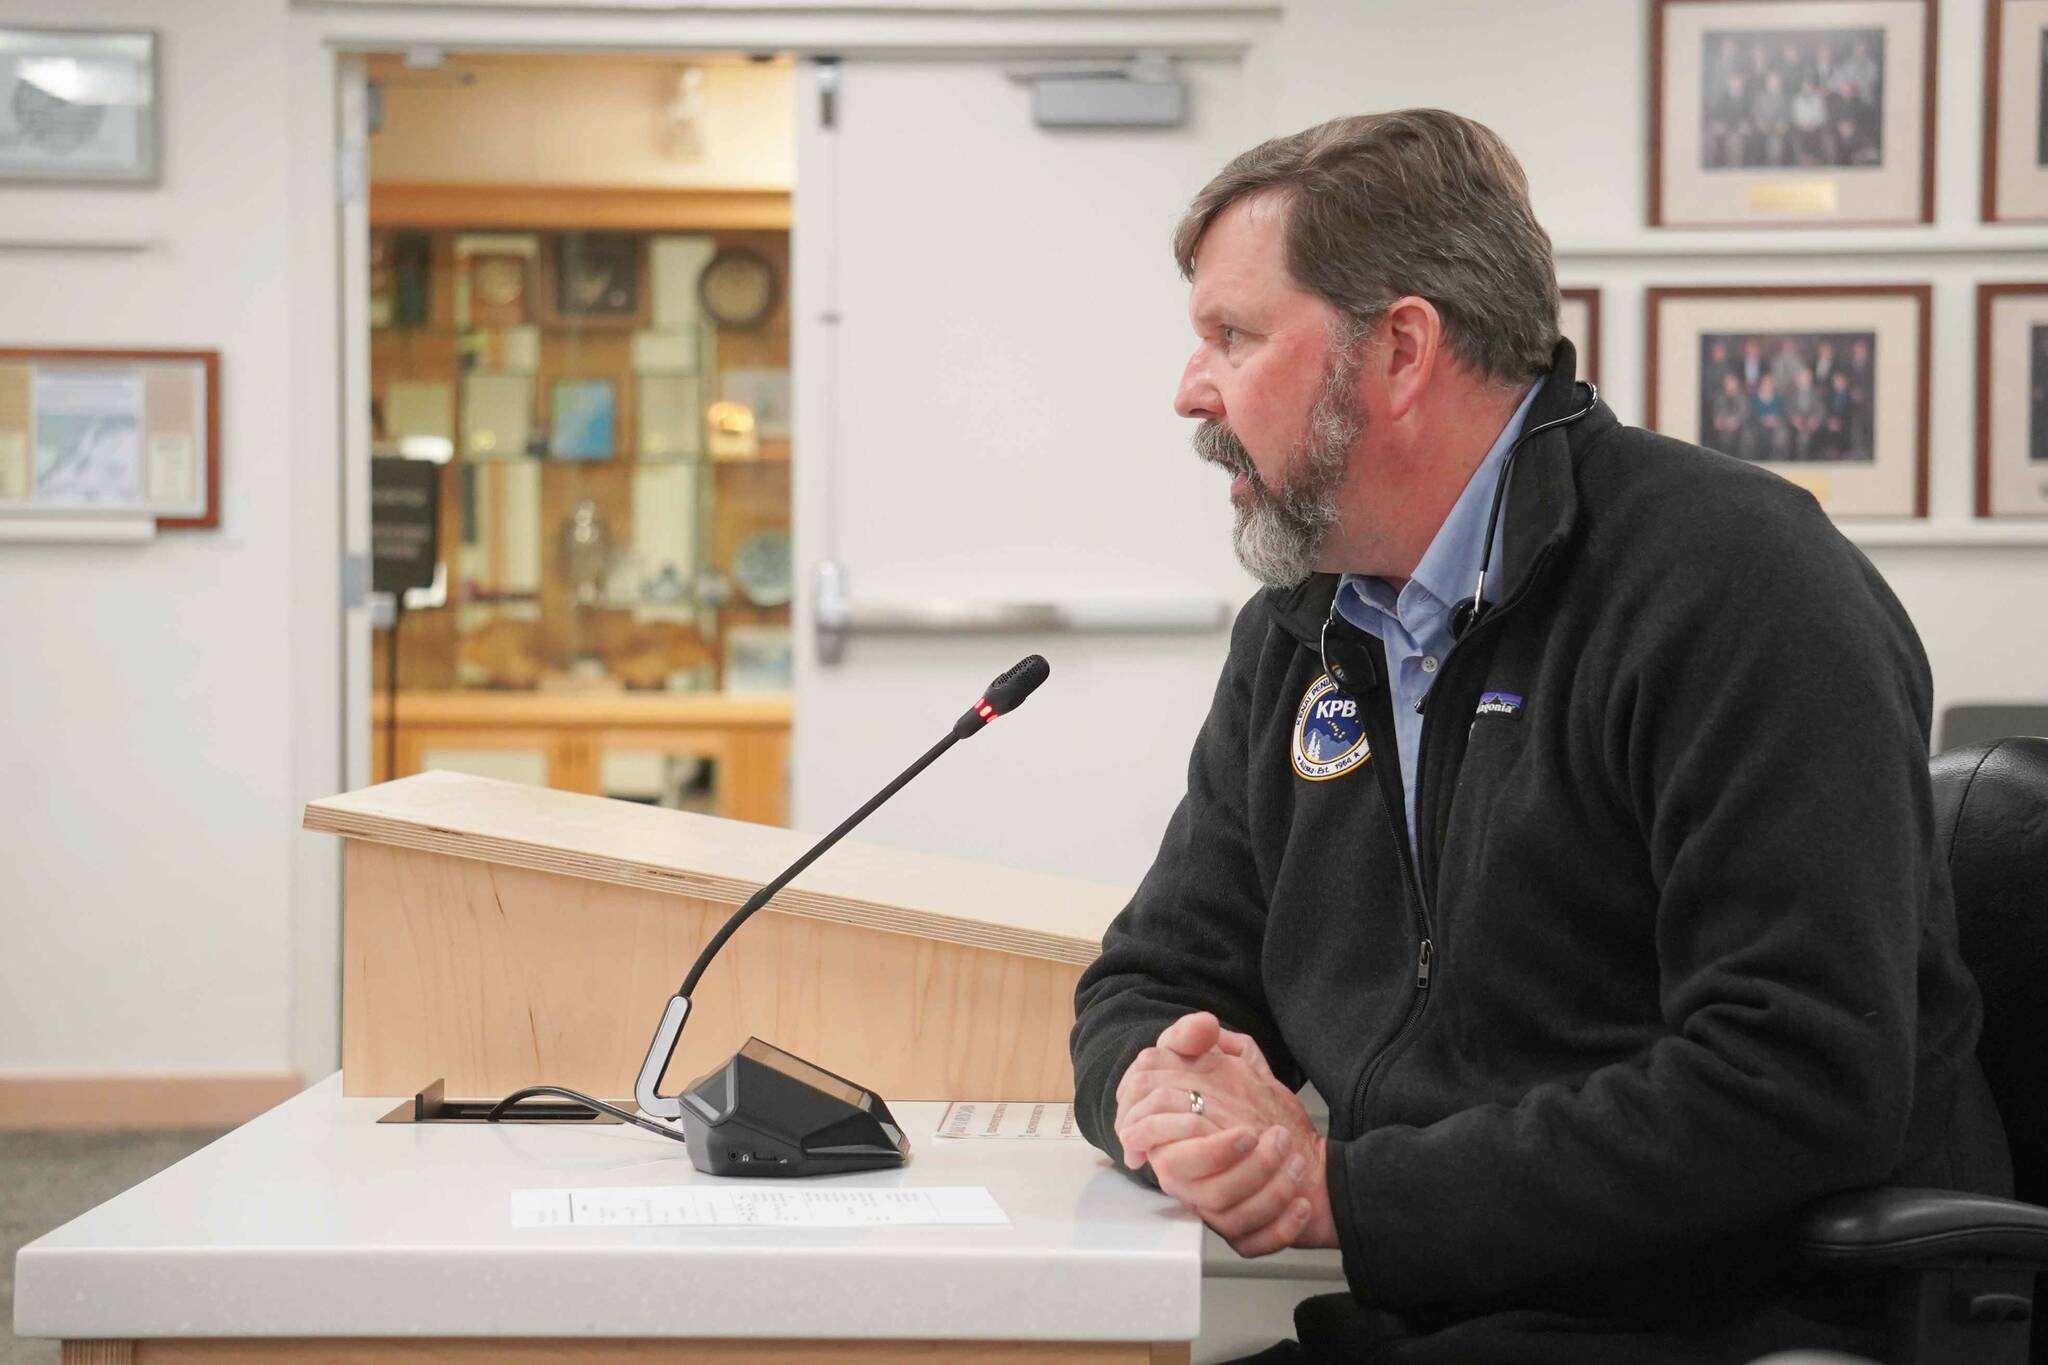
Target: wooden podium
497,936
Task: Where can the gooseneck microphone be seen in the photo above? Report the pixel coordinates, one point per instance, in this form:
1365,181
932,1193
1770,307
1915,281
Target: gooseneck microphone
756,1114
1004,695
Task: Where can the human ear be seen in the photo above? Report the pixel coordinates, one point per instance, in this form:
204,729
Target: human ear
1414,340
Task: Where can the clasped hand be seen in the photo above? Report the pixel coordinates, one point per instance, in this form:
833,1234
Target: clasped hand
1251,1164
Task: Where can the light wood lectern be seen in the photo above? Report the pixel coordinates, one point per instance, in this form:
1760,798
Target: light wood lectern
496,936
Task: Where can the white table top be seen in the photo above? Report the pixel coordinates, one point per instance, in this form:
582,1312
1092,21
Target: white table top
315,1221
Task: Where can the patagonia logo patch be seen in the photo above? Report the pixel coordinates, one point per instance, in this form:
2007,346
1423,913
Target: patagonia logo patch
1499,704
1329,732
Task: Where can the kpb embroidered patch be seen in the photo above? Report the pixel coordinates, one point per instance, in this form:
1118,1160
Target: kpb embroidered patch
1499,704
1329,734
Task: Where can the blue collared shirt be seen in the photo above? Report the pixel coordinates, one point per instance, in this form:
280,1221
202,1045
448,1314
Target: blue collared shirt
1415,627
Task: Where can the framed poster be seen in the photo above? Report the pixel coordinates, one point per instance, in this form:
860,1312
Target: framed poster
597,280
1775,112
1579,319
583,419
2016,111
78,105
670,425
2012,400
111,433
497,416
1826,385
419,419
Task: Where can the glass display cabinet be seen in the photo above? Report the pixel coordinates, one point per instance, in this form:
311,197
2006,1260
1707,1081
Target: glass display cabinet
609,411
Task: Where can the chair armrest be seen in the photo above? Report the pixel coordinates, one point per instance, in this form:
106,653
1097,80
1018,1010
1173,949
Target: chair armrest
1897,1228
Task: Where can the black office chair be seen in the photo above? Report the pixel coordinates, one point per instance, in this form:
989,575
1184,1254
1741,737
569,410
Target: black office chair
1961,1268
1982,722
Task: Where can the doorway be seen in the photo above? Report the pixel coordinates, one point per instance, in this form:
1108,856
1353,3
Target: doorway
578,365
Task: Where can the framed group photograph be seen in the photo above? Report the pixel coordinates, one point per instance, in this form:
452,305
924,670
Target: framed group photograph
1579,319
78,105
2016,111
1825,385
120,433
1767,113
2012,400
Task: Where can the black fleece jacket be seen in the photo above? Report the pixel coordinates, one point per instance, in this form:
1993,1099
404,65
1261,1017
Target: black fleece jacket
1691,948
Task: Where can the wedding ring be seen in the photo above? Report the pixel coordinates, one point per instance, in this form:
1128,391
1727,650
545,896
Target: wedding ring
1195,1105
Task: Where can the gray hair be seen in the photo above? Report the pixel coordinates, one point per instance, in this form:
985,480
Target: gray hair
1421,202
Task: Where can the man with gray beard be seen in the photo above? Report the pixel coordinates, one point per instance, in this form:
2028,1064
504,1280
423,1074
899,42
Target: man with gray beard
1562,814
1280,529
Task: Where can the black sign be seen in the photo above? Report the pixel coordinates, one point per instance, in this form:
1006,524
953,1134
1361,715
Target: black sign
405,521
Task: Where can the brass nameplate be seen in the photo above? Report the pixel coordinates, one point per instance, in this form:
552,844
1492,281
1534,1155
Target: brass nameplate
1793,196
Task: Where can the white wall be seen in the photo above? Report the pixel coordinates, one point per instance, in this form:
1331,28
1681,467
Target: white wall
146,743
156,729
583,121
990,420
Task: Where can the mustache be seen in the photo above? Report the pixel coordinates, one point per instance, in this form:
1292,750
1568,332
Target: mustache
1215,443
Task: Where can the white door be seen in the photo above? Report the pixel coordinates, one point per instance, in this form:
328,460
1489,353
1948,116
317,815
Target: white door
352,226
989,330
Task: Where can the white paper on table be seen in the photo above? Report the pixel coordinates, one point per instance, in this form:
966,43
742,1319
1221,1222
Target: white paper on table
1008,1119
759,1206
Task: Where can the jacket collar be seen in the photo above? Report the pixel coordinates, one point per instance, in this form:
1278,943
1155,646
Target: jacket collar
1542,502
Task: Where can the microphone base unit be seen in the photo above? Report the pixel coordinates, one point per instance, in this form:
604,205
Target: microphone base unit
767,1113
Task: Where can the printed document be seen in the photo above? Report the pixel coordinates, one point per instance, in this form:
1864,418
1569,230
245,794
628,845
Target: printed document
755,1206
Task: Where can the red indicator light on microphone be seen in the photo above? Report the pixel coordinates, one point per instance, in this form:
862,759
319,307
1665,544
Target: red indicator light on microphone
985,711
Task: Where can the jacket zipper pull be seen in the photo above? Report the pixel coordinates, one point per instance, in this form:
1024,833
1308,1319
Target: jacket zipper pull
1423,961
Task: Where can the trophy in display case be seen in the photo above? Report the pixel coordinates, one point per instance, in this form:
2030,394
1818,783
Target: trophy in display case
586,566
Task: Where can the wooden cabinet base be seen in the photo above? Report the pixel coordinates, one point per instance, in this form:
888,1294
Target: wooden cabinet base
478,1351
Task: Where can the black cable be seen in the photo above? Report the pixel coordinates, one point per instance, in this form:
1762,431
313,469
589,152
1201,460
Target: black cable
1478,606
497,1111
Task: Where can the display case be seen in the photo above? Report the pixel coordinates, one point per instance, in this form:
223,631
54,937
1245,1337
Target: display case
608,409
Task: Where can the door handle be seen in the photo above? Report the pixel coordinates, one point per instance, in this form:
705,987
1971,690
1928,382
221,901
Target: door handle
838,616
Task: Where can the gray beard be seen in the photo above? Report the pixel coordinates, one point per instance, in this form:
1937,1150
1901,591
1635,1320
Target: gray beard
1281,528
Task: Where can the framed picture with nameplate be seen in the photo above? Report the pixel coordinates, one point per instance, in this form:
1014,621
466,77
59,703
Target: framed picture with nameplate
2016,111
111,434
1771,113
2012,400
1825,385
